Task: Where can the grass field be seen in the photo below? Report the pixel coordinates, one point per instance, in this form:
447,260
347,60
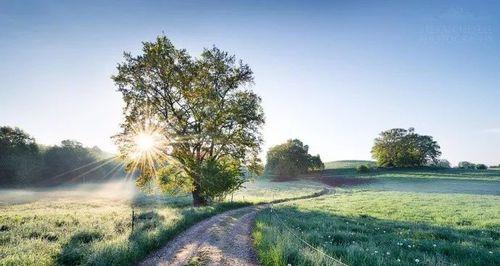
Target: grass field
348,168
93,226
402,218
348,164
264,190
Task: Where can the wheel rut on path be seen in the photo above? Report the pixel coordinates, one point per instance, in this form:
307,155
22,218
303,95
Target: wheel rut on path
224,239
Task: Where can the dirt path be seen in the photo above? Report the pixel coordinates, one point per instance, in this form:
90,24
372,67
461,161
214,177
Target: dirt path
224,239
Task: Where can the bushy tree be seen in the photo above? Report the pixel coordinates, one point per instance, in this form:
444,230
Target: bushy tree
481,166
441,163
19,157
203,106
466,165
363,169
315,163
404,148
292,158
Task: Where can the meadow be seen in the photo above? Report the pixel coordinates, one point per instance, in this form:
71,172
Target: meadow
91,226
393,220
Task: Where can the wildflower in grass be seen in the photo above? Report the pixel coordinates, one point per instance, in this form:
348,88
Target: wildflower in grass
491,252
434,245
376,252
398,260
417,260
388,253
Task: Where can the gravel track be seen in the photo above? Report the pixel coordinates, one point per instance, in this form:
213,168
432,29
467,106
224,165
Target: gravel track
224,239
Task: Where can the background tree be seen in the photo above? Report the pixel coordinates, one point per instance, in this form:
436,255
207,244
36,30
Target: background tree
441,163
19,157
404,148
62,164
466,165
24,163
292,158
203,108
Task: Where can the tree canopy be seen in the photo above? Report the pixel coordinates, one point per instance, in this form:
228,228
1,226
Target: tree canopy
202,107
292,158
24,163
399,147
19,156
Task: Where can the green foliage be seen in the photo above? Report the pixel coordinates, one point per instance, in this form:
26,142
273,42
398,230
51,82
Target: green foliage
481,166
292,158
19,157
202,105
173,180
24,164
220,178
441,163
404,148
363,169
466,165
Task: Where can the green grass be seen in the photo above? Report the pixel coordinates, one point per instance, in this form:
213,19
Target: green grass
92,226
383,228
423,173
91,232
263,190
348,164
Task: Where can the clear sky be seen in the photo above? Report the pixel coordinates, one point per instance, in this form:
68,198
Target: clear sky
333,74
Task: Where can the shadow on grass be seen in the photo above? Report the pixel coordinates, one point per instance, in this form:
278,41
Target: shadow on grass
421,172
364,240
151,233
426,180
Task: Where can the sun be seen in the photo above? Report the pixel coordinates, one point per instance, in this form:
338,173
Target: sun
145,142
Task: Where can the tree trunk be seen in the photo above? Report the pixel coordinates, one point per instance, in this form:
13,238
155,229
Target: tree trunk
198,200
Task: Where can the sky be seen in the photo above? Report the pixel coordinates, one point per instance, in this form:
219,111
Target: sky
333,74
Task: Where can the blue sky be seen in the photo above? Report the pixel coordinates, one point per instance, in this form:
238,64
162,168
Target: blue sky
333,74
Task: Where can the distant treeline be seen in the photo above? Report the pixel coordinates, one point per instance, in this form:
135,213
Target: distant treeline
24,163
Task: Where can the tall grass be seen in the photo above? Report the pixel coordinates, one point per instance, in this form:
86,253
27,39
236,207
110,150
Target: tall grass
95,232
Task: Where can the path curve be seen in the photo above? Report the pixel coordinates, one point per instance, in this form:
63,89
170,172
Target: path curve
224,239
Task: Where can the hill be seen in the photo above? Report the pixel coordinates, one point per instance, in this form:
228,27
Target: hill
348,164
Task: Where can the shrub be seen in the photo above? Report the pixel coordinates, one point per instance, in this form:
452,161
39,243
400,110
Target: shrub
291,159
466,165
442,163
363,169
481,167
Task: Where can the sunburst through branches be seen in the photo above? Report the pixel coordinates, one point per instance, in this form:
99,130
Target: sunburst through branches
145,150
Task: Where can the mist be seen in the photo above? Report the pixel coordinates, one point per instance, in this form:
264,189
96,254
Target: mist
114,190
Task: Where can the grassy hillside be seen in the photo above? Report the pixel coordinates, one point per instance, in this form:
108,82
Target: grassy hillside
348,164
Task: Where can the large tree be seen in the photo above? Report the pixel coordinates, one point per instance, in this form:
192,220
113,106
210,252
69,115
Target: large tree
202,109
292,158
399,147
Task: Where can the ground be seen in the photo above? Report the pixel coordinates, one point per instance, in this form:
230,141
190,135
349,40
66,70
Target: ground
397,217
386,217
93,224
